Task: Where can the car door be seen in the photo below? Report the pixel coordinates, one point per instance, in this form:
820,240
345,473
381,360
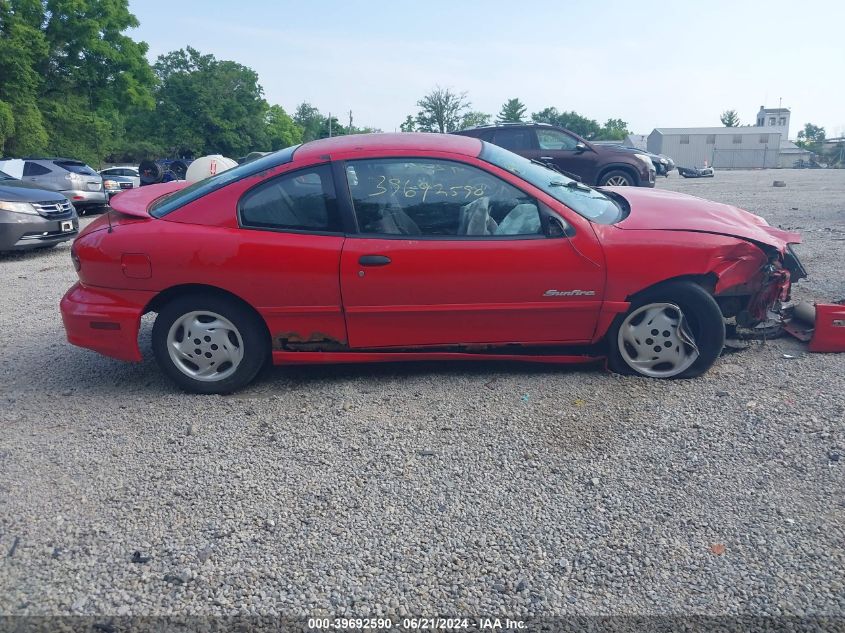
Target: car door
566,152
288,257
447,253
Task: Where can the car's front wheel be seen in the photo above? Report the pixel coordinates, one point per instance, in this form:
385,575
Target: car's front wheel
209,344
617,178
672,331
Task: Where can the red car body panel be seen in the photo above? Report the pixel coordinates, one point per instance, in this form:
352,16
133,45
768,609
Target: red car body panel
105,321
829,334
479,295
134,202
442,292
671,211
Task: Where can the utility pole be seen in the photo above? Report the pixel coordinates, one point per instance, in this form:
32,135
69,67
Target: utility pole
350,121
330,124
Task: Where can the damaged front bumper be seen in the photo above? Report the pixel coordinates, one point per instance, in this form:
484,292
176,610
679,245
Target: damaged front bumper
821,325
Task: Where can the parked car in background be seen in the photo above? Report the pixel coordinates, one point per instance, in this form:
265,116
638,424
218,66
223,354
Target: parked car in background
390,247
696,172
115,184
662,164
123,171
568,152
72,178
33,218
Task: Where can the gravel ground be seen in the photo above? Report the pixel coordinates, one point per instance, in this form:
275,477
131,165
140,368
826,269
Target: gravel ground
474,489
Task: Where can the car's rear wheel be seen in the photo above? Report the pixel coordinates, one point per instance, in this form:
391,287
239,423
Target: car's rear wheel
672,331
617,178
209,344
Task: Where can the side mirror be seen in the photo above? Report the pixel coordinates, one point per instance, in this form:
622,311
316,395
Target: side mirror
558,227
580,147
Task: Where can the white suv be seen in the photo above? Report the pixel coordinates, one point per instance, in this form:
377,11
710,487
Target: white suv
124,171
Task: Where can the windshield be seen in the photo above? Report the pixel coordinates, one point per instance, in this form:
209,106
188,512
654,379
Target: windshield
173,201
5,176
584,200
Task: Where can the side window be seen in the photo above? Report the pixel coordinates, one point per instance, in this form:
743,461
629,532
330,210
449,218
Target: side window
34,169
437,198
515,140
304,200
555,139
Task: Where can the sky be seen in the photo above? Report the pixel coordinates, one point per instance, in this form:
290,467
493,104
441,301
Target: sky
652,64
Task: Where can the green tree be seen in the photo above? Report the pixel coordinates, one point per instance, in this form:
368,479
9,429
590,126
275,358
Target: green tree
331,127
729,118
7,124
281,130
23,47
812,137
572,121
68,71
474,119
513,111
441,110
408,125
613,130
310,120
206,105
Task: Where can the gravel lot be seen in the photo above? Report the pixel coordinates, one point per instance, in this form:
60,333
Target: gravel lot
482,489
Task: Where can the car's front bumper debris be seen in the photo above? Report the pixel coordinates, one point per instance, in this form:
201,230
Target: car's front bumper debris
821,325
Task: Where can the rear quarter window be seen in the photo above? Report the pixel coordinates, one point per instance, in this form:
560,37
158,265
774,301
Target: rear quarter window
76,167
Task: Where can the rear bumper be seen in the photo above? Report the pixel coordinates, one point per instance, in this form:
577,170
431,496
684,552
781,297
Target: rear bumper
84,198
105,320
20,232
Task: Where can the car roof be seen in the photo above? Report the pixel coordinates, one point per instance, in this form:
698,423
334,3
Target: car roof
490,126
402,141
53,159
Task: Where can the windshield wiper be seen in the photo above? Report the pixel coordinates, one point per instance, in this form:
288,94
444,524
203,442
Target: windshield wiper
572,184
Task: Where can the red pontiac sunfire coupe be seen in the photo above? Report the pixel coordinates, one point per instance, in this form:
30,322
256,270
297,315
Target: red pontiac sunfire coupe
417,246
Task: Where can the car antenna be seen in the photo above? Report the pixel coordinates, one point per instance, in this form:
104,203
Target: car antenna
108,217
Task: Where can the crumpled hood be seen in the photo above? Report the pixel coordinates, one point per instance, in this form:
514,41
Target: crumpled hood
657,209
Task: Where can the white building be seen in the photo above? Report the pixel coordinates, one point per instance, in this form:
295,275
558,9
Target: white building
774,120
763,145
719,147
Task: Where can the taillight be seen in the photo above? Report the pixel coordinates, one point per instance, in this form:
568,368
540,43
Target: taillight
74,256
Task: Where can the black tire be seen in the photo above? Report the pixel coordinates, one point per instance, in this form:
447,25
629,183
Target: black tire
630,179
250,326
179,169
150,172
703,316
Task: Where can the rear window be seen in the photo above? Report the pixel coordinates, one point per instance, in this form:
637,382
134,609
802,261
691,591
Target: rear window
171,202
76,167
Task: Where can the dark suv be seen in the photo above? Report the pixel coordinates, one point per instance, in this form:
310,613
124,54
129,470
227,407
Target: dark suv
594,164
